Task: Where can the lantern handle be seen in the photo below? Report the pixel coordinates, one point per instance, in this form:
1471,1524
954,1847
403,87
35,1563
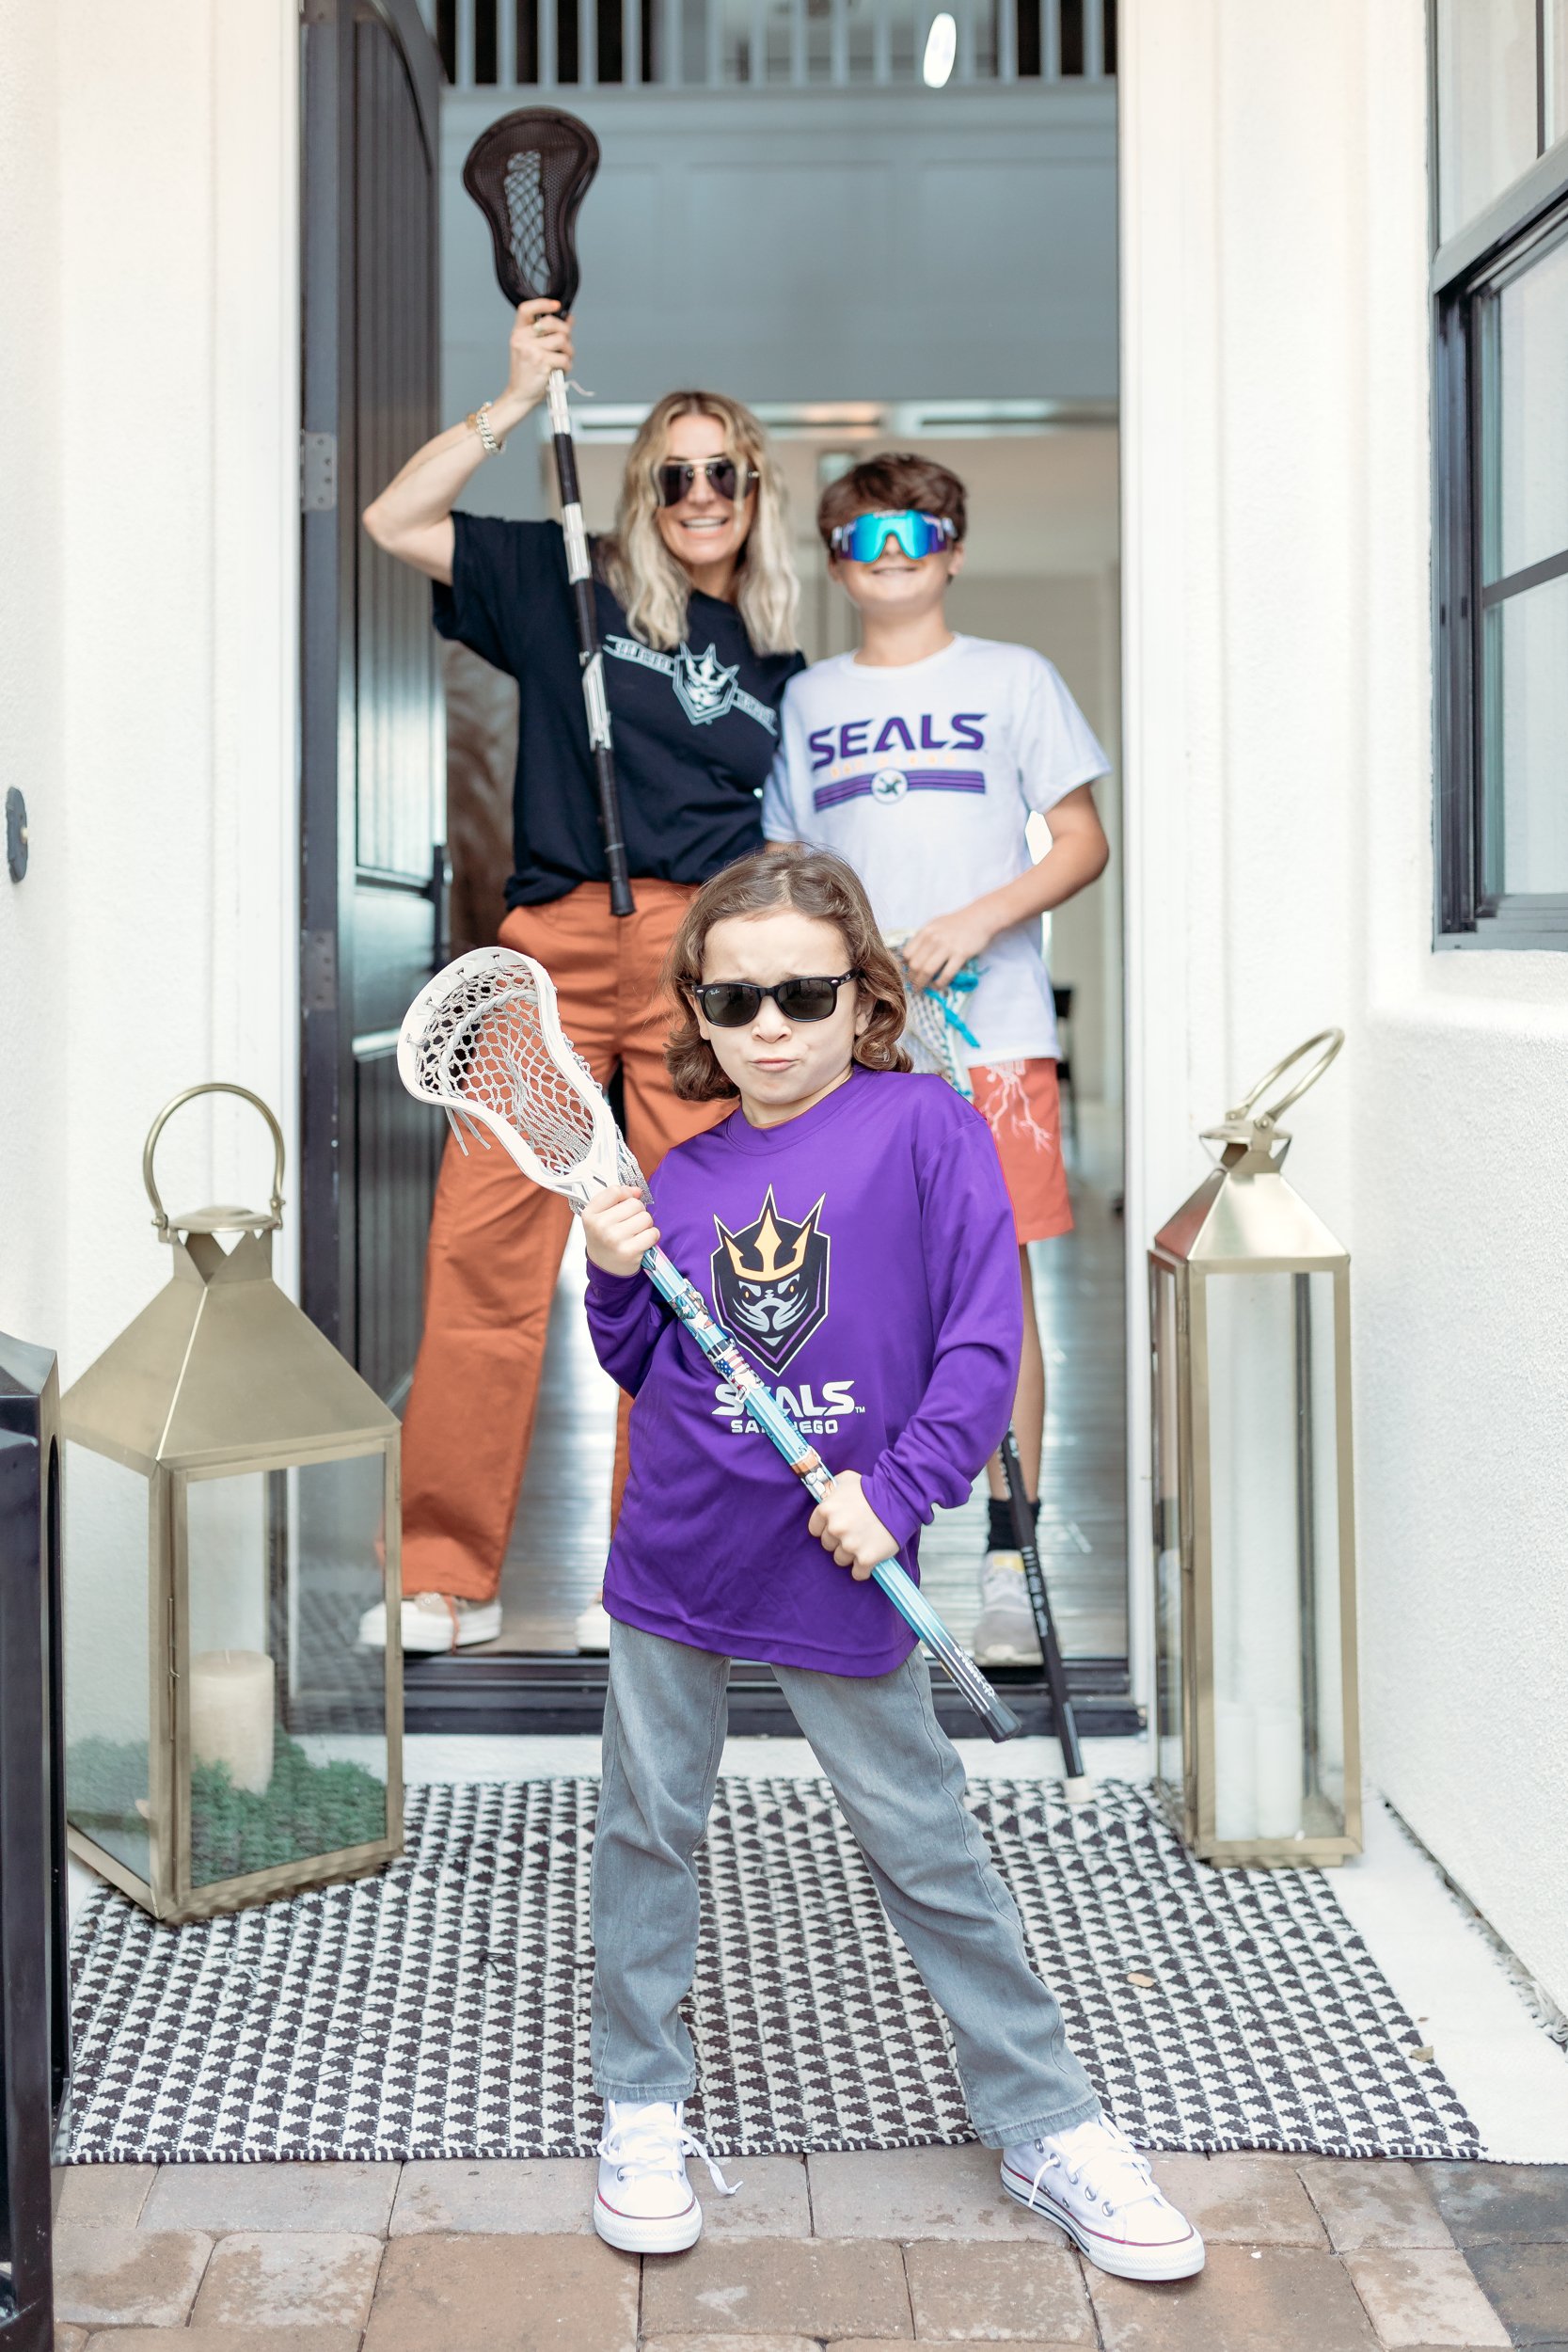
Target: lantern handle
1331,1040
213,1086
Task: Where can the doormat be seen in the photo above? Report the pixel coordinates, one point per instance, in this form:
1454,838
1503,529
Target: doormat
441,2008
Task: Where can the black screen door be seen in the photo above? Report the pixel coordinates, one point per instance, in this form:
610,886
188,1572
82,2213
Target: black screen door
372,747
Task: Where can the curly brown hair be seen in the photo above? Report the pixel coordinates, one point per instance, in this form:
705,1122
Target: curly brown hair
813,883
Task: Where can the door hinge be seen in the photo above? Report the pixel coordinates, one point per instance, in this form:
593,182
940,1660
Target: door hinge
318,472
318,11
318,979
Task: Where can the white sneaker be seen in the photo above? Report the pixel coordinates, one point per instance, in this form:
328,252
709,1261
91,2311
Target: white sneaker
644,2203
592,1630
1005,1632
1094,2182
433,1621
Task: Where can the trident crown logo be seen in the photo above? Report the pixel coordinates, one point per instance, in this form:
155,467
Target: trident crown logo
770,1283
703,687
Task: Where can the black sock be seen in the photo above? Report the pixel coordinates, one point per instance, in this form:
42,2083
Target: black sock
1001,1537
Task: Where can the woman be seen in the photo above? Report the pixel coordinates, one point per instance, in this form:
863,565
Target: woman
696,595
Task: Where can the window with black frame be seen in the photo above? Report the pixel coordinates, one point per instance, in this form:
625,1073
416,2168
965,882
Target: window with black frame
1500,290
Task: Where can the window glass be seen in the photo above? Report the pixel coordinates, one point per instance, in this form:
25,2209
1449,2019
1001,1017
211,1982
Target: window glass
1526,809
1530,357
1485,103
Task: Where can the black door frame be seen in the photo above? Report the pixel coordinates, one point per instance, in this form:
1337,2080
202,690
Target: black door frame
330,530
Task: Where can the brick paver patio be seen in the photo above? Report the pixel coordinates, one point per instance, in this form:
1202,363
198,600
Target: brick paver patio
852,2252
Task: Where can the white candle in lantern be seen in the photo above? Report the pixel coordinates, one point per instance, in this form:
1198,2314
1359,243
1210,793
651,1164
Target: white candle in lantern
233,1697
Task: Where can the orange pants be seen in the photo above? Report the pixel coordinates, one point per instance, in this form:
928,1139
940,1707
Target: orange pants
496,1242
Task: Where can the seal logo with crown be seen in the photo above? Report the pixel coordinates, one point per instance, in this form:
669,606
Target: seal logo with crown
703,687
771,1282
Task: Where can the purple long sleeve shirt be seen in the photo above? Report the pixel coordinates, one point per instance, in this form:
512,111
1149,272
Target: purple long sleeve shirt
864,1255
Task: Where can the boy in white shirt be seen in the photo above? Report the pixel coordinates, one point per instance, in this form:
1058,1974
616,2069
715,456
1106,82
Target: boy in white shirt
919,759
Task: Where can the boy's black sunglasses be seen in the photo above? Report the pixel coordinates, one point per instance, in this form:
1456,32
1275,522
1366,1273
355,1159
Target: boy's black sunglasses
732,1004
728,478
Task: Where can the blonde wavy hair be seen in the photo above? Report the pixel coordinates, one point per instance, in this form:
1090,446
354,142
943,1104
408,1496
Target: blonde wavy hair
647,579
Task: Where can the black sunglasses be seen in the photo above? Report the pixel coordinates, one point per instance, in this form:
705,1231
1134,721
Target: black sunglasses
728,478
732,1004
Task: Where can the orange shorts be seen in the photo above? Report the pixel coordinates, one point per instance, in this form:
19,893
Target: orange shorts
1018,1103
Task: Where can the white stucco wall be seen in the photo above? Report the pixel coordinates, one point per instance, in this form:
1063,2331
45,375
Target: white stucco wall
1279,797
149,510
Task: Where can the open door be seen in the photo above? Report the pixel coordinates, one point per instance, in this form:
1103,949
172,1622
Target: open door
372,753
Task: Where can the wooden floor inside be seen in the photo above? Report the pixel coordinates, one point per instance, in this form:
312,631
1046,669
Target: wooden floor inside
557,1553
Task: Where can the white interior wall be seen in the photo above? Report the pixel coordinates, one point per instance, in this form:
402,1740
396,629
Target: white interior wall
148,627
815,245
1279,806
1072,618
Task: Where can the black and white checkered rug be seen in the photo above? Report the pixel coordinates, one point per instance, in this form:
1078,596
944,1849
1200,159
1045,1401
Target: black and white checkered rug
441,2009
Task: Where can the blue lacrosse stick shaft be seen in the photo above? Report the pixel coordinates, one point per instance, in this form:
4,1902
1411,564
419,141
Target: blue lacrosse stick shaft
757,1399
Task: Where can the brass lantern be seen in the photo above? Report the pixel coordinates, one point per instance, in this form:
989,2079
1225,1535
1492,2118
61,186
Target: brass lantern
232,1508
1256,1736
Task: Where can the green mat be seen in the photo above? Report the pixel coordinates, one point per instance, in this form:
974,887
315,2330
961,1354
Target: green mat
307,1809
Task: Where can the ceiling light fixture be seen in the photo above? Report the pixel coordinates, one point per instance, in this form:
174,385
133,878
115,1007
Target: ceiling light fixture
942,47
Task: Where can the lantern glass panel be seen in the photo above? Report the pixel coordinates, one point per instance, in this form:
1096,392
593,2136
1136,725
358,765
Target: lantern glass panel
1274,1493
108,1667
287,1712
1169,1726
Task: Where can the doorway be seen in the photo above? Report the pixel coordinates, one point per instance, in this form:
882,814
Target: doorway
1043,569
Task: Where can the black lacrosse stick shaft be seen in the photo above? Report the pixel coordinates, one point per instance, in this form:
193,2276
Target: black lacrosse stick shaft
1039,1601
579,571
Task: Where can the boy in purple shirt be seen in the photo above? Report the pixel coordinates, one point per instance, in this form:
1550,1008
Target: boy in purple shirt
849,1225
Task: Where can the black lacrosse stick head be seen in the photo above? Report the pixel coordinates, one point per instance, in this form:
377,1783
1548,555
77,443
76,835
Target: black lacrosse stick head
527,173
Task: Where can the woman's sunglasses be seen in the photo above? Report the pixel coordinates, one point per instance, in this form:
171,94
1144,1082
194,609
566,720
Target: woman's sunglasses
863,541
735,1003
727,478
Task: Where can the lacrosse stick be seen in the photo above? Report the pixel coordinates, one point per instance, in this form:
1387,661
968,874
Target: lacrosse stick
936,1027
527,173
932,1038
485,1041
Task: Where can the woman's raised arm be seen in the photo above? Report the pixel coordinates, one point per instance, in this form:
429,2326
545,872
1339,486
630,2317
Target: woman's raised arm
412,517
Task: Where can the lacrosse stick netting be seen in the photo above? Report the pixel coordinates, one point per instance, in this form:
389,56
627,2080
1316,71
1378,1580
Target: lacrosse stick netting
484,1043
935,1033
529,173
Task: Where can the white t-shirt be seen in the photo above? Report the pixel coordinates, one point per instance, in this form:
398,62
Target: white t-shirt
922,778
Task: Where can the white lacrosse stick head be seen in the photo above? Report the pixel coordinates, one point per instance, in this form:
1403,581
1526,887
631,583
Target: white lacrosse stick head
485,1041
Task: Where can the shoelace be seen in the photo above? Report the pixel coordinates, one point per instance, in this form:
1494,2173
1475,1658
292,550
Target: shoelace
643,2145
1105,2165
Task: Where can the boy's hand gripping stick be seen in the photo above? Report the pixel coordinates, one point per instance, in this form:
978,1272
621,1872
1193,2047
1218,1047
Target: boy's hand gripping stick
485,1041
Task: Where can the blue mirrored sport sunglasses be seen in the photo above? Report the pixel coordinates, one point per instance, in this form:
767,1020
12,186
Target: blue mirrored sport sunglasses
863,541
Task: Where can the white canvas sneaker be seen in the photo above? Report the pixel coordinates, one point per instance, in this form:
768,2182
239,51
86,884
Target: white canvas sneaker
434,1621
643,2202
1093,2182
1005,1632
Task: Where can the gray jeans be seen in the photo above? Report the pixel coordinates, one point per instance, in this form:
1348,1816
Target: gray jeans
900,1784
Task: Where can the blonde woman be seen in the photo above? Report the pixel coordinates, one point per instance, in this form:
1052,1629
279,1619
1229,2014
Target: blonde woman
696,595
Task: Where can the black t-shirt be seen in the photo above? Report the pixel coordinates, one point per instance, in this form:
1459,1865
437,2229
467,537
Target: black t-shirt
695,730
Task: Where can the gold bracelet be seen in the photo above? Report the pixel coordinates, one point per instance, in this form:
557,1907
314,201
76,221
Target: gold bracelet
478,421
